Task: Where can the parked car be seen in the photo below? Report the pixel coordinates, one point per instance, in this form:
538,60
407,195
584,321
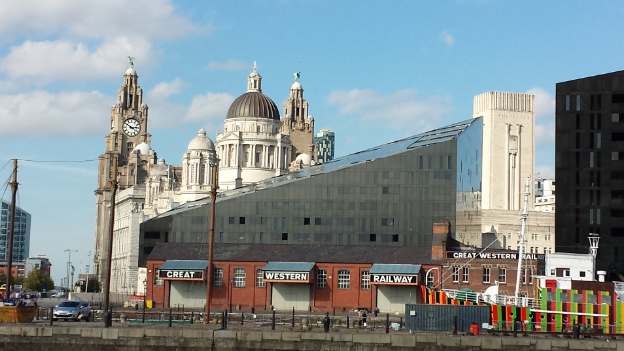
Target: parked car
58,294
72,310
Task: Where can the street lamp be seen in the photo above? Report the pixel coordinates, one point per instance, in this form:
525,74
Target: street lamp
69,251
144,295
209,270
231,288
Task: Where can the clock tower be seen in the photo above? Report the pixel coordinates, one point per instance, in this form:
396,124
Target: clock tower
128,144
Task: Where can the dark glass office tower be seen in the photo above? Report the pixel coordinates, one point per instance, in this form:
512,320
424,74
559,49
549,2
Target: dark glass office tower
589,167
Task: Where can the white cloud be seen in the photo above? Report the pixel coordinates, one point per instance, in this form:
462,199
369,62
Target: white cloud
94,19
65,60
544,104
40,113
544,118
231,65
210,108
546,172
448,39
164,90
404,109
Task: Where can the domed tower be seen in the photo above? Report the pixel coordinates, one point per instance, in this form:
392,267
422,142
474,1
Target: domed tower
297,123
251,147
196,163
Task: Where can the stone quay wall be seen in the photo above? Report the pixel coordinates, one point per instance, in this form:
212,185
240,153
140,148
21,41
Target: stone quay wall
31,338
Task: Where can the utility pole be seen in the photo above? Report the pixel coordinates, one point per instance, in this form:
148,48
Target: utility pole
521,240
209,269
109,257
14,184
69,266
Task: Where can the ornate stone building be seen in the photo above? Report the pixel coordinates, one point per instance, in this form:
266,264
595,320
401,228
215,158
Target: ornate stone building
252,146
297,123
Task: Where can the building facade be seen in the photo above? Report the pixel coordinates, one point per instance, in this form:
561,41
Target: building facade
385,196
39,262
314,278
21,232
508,160
325,141
589,167
252,146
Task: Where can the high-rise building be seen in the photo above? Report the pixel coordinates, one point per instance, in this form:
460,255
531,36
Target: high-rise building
21,232
589,167
325,141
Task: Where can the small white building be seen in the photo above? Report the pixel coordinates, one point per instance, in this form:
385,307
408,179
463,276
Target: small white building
563,268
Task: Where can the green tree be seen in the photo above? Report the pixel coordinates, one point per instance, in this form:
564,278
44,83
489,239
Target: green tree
35,281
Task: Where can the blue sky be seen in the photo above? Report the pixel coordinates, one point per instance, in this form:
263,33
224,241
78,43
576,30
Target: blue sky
372,72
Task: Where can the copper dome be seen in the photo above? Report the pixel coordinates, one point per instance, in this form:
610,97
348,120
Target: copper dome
253,104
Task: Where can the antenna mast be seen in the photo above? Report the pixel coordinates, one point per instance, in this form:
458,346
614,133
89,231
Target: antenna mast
521,239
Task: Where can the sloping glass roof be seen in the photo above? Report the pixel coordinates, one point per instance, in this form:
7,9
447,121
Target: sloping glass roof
289,266
395,269
425,139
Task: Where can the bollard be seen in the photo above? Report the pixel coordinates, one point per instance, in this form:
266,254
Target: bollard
273,321
454,325
517,325
242,318
293,317
226,319
51,315
192,318
401,323
253,310
223,319
576,331
347,322
170,316
387,323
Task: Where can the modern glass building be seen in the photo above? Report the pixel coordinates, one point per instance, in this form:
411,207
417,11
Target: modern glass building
589,168
325,141
388,195
21,237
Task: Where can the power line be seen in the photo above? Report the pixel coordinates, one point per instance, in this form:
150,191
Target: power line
65,161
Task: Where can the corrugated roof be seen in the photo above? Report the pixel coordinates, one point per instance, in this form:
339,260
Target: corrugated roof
425,139
289,266
182,264
294,253
395,269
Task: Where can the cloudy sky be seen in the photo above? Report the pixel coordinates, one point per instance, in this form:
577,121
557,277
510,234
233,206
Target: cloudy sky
373,71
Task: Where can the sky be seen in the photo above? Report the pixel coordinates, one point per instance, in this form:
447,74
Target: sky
372,71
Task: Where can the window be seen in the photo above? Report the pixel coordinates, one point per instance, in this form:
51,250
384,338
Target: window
218,277
385,190
372,237
450,165
465,275
241,220
261,238
231,220
284,236
239,277
455,274
257,129
321,279
365,285
502,275
578,102
420,162
531,273
567,102
259,282
306,221
220,237
343,279
387,222
395,238
582,274
317,221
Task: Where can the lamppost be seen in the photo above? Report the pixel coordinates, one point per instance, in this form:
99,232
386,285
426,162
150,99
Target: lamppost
231,288
69,251
210,270
144,295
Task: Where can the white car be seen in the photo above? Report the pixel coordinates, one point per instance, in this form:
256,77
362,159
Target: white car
58,294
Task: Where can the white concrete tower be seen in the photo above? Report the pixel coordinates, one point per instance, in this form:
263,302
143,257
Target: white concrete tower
508,147
196,174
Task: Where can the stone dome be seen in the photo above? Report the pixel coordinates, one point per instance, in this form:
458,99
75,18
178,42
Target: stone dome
254,104
130,72
304,158
142,148
201,142
296,85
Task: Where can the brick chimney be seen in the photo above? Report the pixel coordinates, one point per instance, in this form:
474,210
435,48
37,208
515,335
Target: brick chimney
441,231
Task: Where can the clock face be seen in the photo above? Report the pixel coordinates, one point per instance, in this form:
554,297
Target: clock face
131,127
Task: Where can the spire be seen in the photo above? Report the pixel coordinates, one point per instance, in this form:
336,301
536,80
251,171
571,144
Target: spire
254,81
